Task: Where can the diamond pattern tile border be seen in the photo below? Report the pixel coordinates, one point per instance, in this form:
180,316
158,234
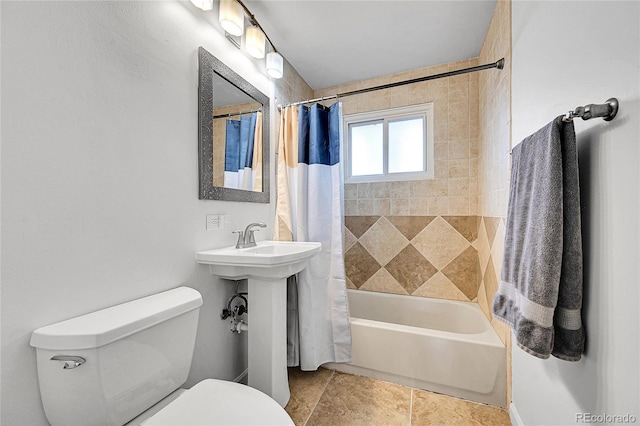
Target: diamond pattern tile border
441,287
359,265
410,269
490,245
440,243
383,232
383,282
467,226
410,226
463,272
434,256
358,225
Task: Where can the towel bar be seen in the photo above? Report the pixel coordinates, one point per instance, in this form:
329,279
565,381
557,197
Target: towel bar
607,111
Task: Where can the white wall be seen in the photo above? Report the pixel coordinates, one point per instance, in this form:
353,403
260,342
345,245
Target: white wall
99,174
567,54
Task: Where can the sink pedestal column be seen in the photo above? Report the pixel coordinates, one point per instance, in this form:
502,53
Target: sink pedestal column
267,319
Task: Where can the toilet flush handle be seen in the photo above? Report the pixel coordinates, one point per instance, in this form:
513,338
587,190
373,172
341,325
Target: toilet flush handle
70,362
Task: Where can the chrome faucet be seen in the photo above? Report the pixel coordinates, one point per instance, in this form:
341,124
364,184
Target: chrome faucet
246,239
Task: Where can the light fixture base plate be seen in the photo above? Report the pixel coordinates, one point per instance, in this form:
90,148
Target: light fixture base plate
235,40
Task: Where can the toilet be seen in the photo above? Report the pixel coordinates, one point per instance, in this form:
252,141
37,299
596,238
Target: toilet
125,365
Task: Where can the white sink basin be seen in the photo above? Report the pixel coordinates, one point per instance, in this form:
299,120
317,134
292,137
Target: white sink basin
268,260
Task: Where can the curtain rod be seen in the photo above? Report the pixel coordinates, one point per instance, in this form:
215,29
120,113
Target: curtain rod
499,64
233,114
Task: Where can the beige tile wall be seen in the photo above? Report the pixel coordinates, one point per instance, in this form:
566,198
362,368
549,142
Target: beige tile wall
495,117
454,190
452,194
494,165
430,256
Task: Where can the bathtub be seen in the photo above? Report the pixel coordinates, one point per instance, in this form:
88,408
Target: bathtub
438,345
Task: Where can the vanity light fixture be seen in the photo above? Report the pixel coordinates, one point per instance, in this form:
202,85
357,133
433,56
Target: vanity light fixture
254,42
231,17
203,4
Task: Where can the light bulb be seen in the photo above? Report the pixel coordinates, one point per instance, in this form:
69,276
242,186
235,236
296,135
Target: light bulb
203,4
231,17
274,64
254,42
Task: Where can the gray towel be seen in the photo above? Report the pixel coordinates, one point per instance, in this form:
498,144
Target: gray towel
540,292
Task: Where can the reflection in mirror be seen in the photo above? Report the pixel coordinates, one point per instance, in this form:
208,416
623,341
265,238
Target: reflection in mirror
237,138
234,132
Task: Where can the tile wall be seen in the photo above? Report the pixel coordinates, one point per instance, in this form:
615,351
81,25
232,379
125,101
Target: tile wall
472,167
430,256
432,223
392,227
456,115
494,165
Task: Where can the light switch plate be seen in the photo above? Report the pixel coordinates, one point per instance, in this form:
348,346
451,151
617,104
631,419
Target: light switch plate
216,221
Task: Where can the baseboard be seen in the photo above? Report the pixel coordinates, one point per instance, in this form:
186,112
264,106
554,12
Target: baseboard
242,378
514,416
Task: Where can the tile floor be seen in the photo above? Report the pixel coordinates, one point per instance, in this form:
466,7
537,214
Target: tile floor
325,397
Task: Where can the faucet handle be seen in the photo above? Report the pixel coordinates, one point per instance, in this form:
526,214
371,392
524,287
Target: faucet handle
250,240
240,242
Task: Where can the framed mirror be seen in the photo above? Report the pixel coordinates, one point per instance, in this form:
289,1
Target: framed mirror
233,137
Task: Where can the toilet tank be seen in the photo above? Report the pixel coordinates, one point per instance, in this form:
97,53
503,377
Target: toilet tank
134,355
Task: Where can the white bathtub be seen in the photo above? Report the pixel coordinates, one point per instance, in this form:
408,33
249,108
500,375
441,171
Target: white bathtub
438,345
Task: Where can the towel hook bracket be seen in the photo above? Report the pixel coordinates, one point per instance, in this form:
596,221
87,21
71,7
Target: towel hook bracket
607,111
613,105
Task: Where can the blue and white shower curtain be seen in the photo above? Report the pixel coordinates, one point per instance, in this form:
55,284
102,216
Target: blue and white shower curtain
243,138
309,208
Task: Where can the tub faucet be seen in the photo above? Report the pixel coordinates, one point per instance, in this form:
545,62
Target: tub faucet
246,239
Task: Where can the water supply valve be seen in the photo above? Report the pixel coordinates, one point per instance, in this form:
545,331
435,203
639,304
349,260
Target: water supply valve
238,326
241,306
235,310
239,310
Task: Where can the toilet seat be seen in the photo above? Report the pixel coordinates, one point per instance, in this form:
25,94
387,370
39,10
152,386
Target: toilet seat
219,402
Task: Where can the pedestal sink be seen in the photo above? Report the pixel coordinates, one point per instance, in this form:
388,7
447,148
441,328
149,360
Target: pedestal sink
266,267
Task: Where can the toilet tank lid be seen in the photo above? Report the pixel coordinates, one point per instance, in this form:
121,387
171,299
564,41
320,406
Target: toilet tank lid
107,325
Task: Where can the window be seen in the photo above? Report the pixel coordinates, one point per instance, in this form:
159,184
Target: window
391,144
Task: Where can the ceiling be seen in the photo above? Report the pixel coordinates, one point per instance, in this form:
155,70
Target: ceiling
332,42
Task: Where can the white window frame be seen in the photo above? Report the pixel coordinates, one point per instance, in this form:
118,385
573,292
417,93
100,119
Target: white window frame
423,110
